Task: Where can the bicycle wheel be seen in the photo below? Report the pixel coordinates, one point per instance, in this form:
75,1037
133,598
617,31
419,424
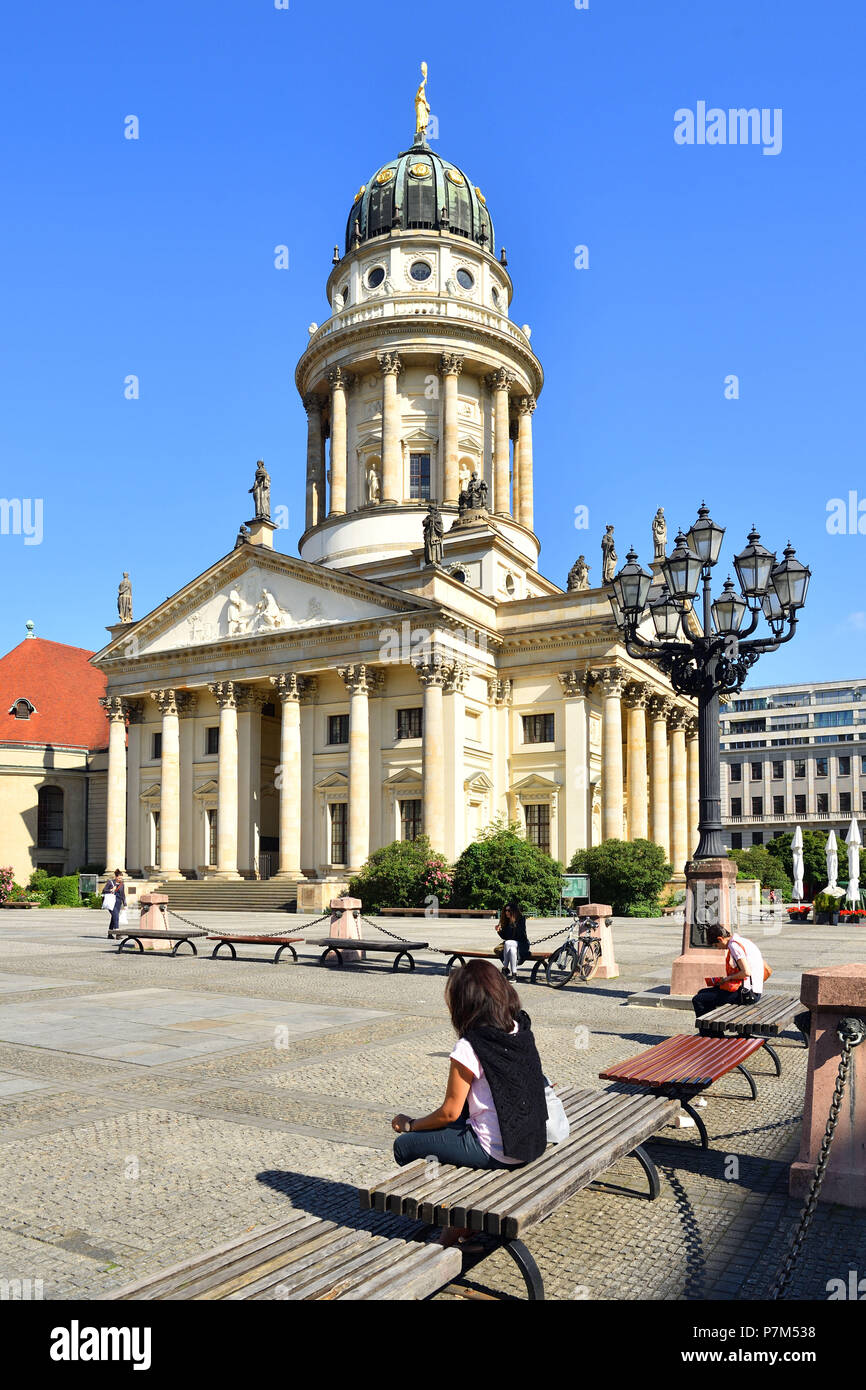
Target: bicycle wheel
562,965
587,959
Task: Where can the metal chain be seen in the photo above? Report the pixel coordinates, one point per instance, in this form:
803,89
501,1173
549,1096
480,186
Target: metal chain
377,927
284,931
850,1032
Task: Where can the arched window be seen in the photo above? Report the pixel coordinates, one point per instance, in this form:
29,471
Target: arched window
49,828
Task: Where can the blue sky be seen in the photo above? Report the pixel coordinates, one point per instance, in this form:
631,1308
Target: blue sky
154,257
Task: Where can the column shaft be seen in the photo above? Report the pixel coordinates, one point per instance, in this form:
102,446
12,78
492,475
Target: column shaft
449,367
339,382
392,482
611,755
661,832
432,769
524,510
499,383
115,830
693,780
289,775
169,787
638,820
315,477
227,780
679,797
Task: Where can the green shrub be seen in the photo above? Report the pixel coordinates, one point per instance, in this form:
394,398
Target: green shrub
759,863
627,874
502,865
38,879
405,873
65,891
95,900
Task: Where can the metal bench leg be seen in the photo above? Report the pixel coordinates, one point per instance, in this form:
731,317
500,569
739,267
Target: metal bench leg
134,941
331,951
184,941
775,1056
698,1119
218,947
288,947
650,1169
751,1080
399,956
528,1268
456,957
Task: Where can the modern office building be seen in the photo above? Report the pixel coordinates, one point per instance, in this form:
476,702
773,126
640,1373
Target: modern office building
793,755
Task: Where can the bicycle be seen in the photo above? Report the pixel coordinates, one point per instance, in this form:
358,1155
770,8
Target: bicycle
579,954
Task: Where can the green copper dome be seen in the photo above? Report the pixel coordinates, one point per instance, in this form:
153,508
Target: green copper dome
419,189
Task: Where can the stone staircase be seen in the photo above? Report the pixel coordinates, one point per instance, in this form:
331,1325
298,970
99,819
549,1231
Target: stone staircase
248,895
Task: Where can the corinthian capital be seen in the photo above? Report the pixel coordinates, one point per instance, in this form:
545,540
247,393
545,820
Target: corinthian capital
499,690
612,680
525,405
500,380
312,403
225,693
116,708
450,364
166,700
659,707
290,686
361,679
340,379
390,363
637,695
678,718
574,684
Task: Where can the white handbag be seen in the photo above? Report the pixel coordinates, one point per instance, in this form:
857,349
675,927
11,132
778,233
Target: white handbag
109,901
123,918
558,1127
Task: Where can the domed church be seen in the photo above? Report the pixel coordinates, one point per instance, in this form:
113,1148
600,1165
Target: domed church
412,671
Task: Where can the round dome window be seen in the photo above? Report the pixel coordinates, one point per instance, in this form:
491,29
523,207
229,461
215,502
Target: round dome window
464,279
509,585
494,294
420,270
375,277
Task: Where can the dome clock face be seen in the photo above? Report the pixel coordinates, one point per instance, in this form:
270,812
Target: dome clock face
464,279
420,270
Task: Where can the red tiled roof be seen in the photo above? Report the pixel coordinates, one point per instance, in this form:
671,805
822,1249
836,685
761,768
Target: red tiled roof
65,690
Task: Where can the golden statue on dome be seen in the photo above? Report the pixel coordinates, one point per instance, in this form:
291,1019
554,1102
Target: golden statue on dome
422,108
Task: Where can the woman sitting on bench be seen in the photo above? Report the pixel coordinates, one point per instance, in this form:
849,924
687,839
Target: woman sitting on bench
515,943
494,1113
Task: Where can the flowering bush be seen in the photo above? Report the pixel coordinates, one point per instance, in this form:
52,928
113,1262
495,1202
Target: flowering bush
7,877
400,875
438,881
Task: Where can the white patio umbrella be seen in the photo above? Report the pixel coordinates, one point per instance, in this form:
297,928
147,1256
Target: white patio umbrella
853,841
832,855
797,854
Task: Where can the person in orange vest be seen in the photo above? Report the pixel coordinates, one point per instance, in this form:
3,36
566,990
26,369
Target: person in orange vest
743,981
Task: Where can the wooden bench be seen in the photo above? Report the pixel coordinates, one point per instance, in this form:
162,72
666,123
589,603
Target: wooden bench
541,961
769,1017
138,936
282,943
684,1065
305,1258
336,945
501,1205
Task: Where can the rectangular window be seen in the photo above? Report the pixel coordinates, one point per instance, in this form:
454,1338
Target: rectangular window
736,772
757,771
736,840
844,803
419,476
538,825
799,767
863,802
212,831
778,805
736,805
410,820
338,728
757,805
833,697
799,805
862,765
778,772
823,803
338,832
538,728
749,726
410,723
757,837
49,819
844,767
157,746
212,740
833,718
821,767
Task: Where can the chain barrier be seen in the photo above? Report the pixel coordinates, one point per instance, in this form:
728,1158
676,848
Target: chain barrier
283,931
851,1032
376,927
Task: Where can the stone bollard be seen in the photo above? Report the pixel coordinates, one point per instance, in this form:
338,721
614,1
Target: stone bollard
154,919
831,994
711,900
607,968
345,921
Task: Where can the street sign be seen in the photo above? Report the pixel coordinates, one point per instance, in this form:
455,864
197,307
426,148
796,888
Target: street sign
575,886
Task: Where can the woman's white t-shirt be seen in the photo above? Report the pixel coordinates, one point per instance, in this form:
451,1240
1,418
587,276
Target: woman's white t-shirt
482,1112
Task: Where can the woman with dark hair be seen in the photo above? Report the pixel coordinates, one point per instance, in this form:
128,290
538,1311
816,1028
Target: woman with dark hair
494,1114
515,942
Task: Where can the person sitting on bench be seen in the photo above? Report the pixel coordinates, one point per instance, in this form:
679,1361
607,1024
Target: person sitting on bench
745,972
515,943
494,1114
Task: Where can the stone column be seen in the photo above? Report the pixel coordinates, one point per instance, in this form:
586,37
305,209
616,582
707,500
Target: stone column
133,787
315,509
392,458
576,828
659,709
340,383
677,721
169,784
514,435
636,697
291,690
454,748
433,674
187,709
115,830
499,383
250,702
450,367
524,511
359,681
612,681
693,784
225,693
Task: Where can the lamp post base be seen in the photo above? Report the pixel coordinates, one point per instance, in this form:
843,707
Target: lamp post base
711,899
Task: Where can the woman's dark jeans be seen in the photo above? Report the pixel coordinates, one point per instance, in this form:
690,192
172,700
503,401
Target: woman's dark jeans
457,1144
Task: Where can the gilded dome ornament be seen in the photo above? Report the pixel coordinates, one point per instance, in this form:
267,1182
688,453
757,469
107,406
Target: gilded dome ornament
361,191
422,108
481,197
420,171
455,176
384,175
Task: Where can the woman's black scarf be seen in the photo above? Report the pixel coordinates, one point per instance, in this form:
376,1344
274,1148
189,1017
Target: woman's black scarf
512,1067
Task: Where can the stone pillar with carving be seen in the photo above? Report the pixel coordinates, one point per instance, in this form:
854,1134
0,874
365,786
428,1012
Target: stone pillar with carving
340,383
524,506
166,701
187,708
659,708
500,690
450,367
575,686
433,674
250,704
315,506
291,689
612,683
677,721
392,457
500,383
359,680
225,693
636,697
115,830
693,783
454,746
514,435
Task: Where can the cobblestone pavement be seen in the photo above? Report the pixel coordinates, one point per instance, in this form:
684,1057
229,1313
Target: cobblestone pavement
154,1106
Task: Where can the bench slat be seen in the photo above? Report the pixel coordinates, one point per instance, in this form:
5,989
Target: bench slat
422,1271
684,1060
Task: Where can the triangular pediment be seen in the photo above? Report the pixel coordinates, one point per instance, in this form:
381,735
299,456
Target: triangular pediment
406,777
335,781
209,788
150,795
255,593
535,783
479,782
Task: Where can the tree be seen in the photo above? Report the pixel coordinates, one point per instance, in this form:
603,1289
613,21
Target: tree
768,868
405,873
628,874
501,865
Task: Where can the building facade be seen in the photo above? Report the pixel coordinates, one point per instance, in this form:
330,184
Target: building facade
284,715
793,755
